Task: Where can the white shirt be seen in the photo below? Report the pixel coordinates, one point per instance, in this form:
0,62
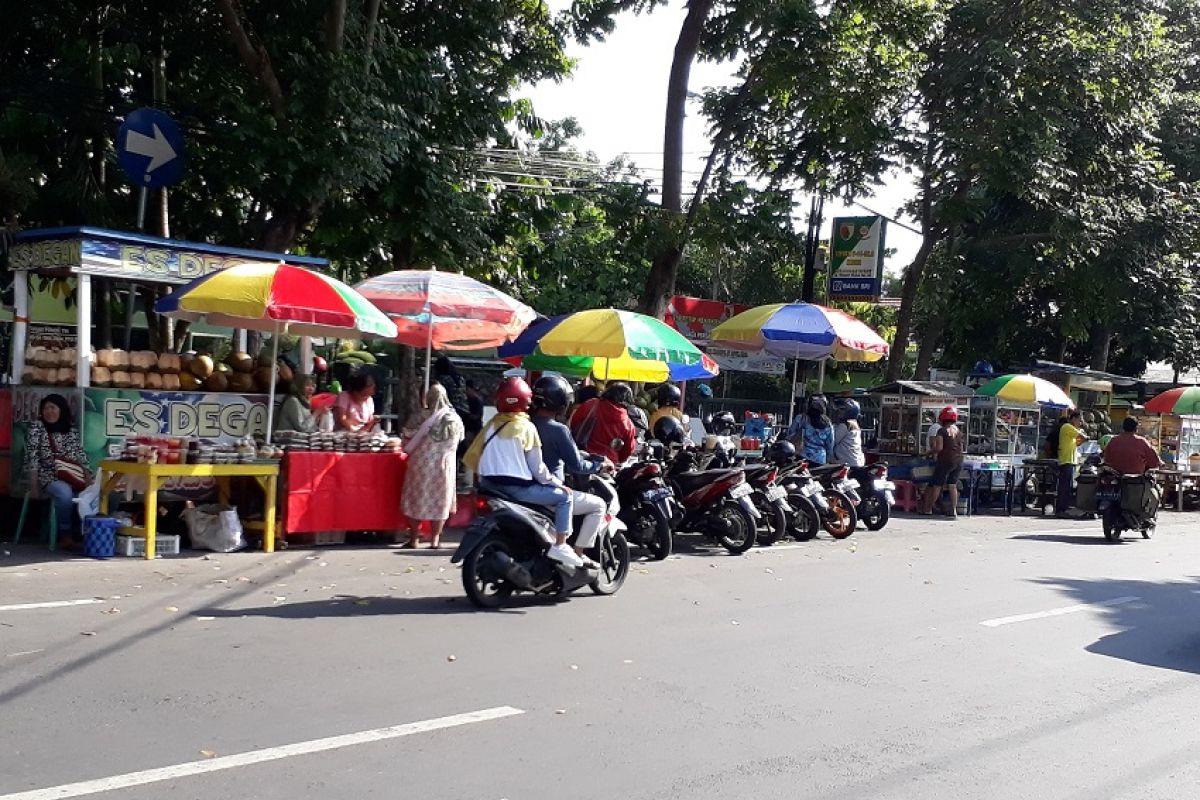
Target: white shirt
847,445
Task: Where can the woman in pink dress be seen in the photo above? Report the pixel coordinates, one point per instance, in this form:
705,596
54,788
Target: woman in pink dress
355,407
430,492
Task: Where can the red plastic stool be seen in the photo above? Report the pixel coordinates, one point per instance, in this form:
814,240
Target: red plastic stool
908,494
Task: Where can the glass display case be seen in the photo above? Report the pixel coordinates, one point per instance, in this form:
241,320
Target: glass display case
1189,443
906,417
1005,429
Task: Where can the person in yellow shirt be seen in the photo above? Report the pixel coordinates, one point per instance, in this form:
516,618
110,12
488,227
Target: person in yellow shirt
669,399
1069,439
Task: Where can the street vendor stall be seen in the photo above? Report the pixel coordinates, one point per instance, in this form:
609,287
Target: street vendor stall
907,410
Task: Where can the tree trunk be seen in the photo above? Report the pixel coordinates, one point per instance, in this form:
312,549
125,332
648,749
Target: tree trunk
284,228
1099,343
931,339
908,298
660,283
677,89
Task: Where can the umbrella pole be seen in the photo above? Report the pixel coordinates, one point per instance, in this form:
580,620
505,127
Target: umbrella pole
792,401
274,380
821,377
428,353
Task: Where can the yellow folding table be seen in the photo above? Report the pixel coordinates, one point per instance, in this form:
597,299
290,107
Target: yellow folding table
266,475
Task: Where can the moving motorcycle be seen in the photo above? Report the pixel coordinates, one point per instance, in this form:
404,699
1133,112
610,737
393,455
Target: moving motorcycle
647,502
504,550
1126,503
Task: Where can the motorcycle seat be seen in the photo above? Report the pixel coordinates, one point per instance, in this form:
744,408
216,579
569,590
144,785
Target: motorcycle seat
824,469
691,481
500,494
756,471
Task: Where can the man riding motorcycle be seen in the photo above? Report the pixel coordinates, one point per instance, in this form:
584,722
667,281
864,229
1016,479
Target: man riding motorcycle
507,457
599,423
1130,454
552,396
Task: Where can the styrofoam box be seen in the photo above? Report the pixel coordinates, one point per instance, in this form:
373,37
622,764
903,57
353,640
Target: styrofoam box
135,546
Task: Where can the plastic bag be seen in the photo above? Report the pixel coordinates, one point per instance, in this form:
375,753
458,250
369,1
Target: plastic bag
89,499
214,527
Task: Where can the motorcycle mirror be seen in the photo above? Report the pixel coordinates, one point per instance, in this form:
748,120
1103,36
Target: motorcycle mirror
686,419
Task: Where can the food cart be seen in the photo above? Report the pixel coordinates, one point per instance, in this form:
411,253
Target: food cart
905,411
1009,431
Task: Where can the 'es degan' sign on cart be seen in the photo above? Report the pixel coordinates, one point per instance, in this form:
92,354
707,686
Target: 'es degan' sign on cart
856,258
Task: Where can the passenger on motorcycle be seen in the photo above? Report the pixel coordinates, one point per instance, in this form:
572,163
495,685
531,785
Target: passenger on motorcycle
552,396
669,400
1130,454
814,432
507,457
600,422
847,436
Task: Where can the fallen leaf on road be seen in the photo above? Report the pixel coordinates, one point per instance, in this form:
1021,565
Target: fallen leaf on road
410,569
853,548
627,661
171,608
928,583
323,564
575,666
279,598
111,611
734,622
206,619
769,571
311,558
208,754
362,602
561,711
916,548
452,658
87,633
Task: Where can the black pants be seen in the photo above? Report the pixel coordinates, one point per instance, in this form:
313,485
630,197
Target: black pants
1066,487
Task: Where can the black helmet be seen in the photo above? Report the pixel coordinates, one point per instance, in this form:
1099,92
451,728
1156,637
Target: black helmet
669,395
669,430
553,393
818,405
618,393
781,452
723,423
850,409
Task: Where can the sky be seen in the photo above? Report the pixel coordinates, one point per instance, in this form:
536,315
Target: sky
618,95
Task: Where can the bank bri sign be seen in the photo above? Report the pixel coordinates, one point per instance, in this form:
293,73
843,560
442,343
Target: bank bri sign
856,258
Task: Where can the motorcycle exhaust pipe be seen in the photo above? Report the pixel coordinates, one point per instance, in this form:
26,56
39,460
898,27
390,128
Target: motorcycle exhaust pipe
513,572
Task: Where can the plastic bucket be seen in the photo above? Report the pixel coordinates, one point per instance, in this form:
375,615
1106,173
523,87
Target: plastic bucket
100,537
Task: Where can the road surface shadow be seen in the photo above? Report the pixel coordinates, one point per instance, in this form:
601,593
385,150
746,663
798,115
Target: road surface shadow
1158,629
1067,538
342,606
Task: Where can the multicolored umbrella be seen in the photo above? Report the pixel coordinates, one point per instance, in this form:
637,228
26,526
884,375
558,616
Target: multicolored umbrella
803,331
278,298
1180,400
1026,389
465,313
525,352
446,310
613,333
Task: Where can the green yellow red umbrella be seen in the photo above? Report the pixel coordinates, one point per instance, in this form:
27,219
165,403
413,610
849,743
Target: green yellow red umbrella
1026,389
1180,400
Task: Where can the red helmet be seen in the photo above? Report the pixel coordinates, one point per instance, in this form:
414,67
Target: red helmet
319,364
948,415
514,394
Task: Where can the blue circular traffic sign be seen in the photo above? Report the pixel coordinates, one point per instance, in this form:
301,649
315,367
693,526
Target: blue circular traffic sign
150,148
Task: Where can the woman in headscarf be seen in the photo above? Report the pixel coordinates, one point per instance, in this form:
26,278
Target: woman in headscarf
51,439
296,413
813,432
430,493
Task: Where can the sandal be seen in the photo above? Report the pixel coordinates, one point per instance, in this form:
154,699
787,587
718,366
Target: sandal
436,543
411,544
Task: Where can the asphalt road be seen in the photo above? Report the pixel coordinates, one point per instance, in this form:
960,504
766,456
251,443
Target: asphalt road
988,658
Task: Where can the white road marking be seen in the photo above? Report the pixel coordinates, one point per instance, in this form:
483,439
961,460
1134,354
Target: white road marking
1054,612
775,548
260,756
52,604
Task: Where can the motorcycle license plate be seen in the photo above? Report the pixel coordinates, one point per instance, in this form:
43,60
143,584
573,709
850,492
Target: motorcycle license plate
809,489
656,494
1108,495
741,490
848,485
776,493
884,486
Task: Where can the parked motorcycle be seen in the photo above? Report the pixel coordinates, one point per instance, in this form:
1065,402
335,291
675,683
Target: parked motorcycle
770,498
647,502
877,492
714,502
504,550
840,517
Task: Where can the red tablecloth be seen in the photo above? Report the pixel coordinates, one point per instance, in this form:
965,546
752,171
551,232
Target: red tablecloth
343,492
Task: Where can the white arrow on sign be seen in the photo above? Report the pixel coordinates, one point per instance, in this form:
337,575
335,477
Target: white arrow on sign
156,148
